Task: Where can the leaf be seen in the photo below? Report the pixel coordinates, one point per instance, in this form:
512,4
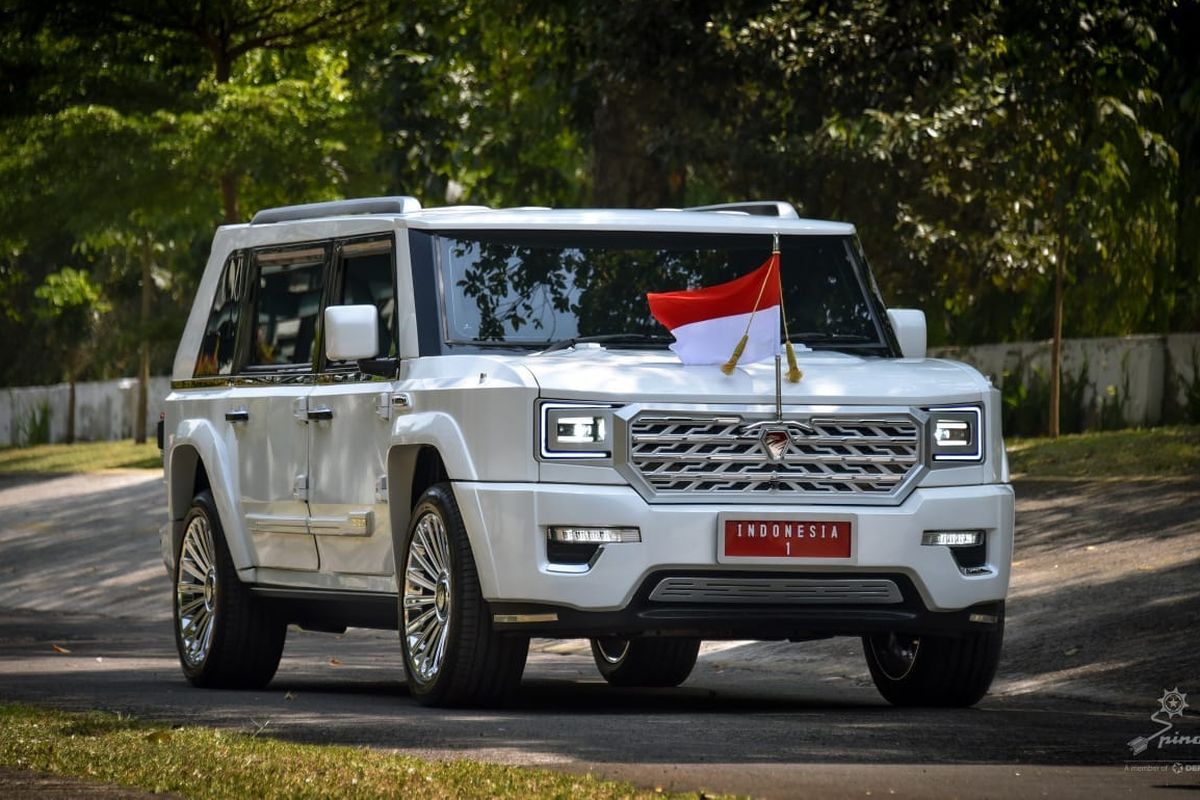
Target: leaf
59,649
335,661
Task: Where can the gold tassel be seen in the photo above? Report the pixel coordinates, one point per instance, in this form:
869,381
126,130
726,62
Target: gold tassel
728,366
794,373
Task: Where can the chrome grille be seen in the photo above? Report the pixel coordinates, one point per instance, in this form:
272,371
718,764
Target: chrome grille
777,590
848,459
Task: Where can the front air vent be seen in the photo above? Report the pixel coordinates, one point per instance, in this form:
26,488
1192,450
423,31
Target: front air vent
831,458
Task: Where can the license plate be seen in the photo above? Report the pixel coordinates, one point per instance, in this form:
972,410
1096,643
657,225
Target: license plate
777,538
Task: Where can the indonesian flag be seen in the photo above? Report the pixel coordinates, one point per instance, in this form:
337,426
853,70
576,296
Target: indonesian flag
708,323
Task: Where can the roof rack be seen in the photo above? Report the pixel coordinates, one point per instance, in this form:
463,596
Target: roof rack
755,208
400,204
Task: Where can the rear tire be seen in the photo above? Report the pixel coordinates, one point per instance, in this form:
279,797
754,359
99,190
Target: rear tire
226,637
666,661
935,671
451,654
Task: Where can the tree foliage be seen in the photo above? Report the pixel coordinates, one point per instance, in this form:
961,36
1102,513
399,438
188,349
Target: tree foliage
980,147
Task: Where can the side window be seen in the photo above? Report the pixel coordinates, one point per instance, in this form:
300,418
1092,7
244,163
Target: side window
368,278
217,348
288,306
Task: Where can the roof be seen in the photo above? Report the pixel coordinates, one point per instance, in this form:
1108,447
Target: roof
666,220
750,217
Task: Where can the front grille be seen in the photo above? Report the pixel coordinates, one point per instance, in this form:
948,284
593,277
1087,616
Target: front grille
839,459
777,590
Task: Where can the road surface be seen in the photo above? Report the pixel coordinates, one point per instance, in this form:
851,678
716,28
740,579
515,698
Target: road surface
1103,617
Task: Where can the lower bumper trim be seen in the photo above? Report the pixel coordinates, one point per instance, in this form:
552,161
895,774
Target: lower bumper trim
785,591
655,613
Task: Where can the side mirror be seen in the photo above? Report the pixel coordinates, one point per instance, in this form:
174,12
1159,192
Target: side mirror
909,326
351,332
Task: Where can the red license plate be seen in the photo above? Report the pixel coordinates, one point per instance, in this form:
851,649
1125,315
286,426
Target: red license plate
776,538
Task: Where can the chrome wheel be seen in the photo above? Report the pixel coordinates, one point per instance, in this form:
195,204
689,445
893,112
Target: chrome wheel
428,596
896,654
196,591
613,650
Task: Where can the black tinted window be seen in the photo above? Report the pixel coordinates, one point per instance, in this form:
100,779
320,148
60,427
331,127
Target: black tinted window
220,333
534,287
367,279
288,306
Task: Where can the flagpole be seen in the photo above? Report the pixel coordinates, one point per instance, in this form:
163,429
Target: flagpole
778,359
778,388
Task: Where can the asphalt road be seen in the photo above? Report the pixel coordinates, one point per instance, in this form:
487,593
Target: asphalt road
79,568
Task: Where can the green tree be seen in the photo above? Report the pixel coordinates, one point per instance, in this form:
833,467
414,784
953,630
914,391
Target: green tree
72,305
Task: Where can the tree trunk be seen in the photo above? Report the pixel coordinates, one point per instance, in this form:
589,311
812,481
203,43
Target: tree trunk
222,71
625,172
71,409
229,198
143,390
1056,343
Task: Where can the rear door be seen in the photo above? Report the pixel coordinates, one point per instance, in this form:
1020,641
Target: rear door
269,405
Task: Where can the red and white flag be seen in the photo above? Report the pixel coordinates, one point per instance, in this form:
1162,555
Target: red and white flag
709,322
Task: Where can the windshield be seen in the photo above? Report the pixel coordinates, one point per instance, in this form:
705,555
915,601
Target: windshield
535,288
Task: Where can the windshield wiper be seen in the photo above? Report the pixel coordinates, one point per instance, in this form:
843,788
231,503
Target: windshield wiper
611,338
822,337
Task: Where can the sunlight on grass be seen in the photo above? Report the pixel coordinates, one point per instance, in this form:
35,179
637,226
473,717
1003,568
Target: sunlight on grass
206,763
80,457
1169,451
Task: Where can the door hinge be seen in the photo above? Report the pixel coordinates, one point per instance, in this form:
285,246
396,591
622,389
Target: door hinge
381,489
383,406
300,409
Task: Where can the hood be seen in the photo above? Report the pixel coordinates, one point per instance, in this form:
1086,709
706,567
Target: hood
594,373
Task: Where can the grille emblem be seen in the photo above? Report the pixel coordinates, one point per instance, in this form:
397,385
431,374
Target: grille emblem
776,443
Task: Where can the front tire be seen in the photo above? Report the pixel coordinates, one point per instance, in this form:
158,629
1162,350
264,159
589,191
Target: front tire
659,662
451,654
935,671
226,637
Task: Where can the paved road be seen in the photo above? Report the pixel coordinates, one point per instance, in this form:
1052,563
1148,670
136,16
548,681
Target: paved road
79,569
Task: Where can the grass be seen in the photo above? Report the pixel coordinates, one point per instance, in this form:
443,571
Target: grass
1169,451
207,763
80,457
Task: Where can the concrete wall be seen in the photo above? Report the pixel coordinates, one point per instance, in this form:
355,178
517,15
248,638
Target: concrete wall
1149,375
103,409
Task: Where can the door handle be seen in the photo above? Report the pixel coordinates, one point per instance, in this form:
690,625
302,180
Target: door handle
320,413
237,415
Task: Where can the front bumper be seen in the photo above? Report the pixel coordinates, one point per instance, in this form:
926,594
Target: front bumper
507,525
646,616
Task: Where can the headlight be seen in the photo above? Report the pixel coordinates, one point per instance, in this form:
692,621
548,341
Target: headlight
575,430
956,434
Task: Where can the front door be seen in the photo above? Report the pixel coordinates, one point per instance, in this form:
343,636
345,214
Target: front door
348,437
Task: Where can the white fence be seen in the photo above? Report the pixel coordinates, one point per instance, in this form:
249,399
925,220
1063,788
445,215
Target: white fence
103,409
1148,378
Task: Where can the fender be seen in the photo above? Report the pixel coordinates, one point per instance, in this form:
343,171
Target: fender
440,430
202,437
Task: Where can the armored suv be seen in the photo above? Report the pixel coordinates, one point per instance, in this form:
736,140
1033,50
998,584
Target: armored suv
465,425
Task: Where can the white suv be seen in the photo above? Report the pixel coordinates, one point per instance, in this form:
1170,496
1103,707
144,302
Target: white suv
464,424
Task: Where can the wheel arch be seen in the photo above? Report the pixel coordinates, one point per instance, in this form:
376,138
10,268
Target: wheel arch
195,463
413,468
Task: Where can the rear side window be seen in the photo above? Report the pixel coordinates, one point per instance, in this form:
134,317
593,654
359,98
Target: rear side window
369,279
288,306
219,345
